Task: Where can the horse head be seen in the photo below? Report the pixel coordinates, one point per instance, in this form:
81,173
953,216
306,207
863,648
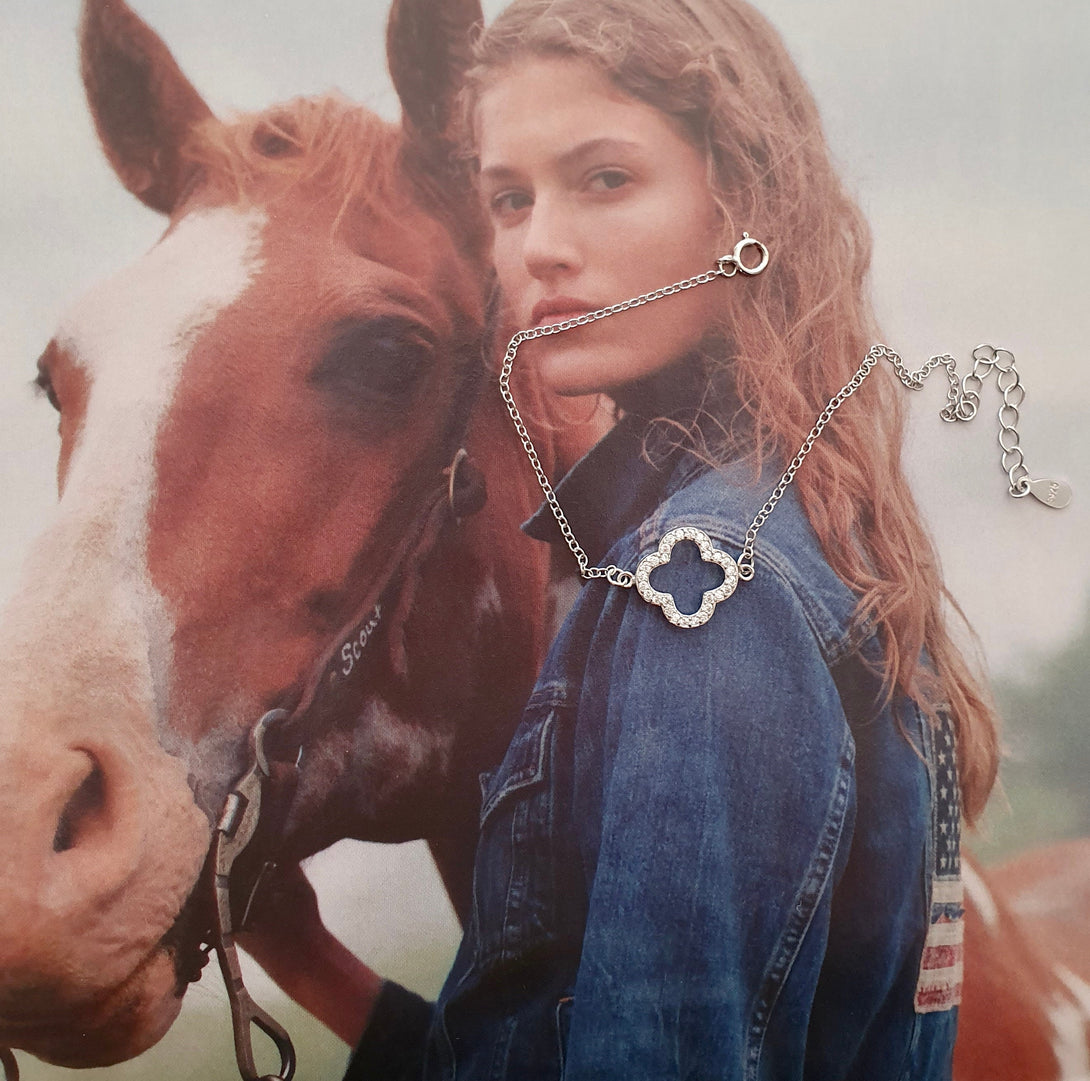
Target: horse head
258,421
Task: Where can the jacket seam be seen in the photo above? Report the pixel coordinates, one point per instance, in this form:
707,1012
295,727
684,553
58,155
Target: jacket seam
553,693
803,908
526,775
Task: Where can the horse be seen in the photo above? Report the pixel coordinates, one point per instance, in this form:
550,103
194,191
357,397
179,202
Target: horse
1048,889
274,434
1025,1011
262,497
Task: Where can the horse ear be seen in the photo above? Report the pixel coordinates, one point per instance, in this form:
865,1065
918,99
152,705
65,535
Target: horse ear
429,50
142,104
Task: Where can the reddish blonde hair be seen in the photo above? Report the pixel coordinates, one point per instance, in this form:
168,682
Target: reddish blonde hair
795,334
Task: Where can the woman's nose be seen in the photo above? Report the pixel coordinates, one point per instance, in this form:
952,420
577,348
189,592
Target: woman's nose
550,247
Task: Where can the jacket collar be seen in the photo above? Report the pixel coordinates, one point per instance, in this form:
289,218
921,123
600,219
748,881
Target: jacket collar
615,486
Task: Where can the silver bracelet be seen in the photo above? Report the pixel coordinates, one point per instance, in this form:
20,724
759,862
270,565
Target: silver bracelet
962,402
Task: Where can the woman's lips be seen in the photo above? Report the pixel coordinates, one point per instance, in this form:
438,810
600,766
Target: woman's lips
557,309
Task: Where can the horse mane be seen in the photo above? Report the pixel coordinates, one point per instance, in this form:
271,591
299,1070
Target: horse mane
334,147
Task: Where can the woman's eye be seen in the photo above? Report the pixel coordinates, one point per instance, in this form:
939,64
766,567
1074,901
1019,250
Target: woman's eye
508,204
608,180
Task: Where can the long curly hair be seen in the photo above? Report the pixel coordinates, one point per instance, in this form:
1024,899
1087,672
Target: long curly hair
797,333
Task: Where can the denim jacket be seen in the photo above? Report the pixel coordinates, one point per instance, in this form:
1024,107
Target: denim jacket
715,852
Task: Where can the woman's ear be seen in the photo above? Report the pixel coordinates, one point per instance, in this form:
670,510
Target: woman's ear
142,104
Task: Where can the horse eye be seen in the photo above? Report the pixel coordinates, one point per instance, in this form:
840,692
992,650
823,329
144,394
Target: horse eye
374,362
44,386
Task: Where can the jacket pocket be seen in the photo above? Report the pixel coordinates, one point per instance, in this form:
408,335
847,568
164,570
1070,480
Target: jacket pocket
516,878
524,766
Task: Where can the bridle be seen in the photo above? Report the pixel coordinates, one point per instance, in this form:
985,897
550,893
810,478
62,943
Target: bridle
257,805
236,829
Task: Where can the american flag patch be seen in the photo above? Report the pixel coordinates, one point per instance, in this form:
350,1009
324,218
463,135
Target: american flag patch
941,964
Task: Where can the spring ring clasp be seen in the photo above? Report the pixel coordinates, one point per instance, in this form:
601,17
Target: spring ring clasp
729,265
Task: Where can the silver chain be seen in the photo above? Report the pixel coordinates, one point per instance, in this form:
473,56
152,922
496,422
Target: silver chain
962,402
725,267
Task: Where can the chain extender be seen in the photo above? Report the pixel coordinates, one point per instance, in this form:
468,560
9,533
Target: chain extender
962,403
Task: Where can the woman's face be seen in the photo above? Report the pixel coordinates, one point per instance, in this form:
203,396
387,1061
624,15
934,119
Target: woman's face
595,197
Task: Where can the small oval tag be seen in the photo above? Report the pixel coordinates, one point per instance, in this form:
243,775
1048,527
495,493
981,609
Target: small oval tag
1053,493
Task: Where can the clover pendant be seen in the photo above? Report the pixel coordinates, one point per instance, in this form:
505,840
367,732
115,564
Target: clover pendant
710,554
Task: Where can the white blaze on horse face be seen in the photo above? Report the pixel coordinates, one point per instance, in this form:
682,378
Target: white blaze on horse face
85,649
132,335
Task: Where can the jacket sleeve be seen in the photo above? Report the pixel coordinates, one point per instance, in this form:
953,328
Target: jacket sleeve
714,808
392,1047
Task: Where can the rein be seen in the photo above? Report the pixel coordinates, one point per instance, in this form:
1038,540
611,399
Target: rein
260,799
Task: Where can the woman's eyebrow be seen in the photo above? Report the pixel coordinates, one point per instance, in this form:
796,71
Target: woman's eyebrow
568,159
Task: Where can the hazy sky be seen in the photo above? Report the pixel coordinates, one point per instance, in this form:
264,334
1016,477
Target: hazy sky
960,124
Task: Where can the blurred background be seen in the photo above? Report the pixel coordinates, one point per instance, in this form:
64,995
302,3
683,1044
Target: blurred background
961,128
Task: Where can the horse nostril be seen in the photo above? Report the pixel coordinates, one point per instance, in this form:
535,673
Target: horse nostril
82,807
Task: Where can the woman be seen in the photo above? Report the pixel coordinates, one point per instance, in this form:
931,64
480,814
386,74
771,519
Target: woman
727,850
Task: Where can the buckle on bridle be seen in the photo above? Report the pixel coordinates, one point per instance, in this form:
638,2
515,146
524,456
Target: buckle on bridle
467,492
236,828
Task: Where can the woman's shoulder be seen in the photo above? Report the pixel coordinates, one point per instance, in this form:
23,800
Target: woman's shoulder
723,503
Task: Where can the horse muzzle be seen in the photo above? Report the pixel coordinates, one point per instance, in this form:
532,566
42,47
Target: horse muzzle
44,1018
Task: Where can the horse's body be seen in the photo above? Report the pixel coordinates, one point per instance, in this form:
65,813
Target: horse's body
1025,1013
255,423
1048,889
